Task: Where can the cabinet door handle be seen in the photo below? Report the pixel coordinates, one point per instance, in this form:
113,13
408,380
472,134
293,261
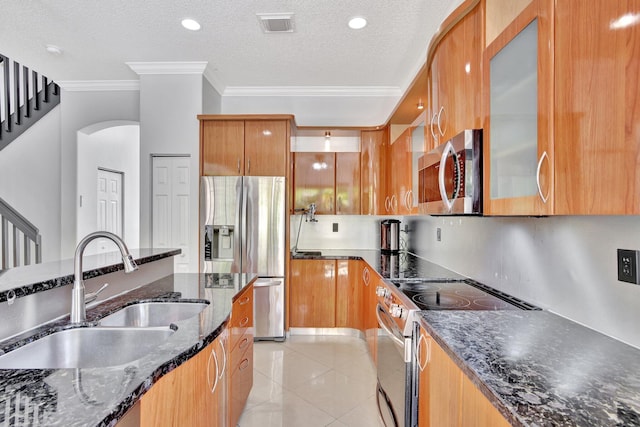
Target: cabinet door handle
215,383
248,166
440,121
542,196
244,343
421,365
433,120
224,360
394,203
243,365
238,165
244,322
244,300
365,276
387,204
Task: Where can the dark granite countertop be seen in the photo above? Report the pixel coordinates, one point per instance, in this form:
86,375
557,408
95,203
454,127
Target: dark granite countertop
540,369
389,265
101,396
30,279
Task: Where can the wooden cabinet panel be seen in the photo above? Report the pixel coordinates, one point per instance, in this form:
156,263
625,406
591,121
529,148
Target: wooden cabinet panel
241,378
265,147
373,170
597,108
400,180
347,192
499,13
241,322
312,293
446,396
244,147
370,280
349,294
193,394
314,181
477,411
518,165
222,147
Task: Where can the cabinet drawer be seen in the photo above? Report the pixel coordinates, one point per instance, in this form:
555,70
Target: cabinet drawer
241,372
241,317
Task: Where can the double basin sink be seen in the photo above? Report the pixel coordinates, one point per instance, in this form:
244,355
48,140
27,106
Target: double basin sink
122,337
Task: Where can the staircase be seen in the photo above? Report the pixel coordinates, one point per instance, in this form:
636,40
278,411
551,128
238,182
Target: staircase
25,97
19,239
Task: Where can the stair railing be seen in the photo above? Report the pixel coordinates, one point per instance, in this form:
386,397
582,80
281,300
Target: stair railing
25,97
24,239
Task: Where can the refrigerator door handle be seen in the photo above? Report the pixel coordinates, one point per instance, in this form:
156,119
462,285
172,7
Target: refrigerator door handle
238,241
263,283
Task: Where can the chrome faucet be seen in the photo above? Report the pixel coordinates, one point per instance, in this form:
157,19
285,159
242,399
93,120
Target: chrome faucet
78,299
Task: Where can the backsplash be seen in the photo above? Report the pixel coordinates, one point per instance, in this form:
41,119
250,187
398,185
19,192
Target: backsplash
354,232
563,264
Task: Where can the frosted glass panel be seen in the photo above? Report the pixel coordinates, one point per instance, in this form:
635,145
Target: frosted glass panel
514,116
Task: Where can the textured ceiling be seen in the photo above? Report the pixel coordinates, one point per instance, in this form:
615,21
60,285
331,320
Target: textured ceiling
99,36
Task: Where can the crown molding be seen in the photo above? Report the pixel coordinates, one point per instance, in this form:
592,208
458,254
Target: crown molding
99,85
195,67
313,91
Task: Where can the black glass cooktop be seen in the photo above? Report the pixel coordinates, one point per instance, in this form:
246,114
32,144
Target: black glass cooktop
457,295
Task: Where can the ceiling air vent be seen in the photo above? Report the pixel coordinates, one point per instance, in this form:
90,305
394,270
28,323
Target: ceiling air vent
276,22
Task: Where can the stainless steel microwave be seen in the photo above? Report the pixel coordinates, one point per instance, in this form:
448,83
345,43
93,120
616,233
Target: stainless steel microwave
450,176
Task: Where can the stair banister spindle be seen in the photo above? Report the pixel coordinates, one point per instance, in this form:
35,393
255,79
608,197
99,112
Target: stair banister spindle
4,242
27,250
36,98
7,93
16,92
45,89
16,246
25,91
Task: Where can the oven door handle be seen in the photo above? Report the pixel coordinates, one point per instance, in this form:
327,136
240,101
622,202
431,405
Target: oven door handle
383,325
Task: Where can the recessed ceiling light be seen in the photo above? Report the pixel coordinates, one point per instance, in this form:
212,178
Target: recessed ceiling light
54,50
357,23
190,24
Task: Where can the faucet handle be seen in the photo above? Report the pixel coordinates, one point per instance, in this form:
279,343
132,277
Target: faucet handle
93,295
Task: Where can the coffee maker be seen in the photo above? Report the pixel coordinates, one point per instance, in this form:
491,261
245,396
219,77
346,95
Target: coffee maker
390,236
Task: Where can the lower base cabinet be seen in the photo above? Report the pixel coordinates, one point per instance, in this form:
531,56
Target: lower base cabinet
241,353
446,396
194,394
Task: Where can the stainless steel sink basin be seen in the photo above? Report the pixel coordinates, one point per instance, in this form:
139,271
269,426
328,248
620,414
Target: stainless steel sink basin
153,314
86,348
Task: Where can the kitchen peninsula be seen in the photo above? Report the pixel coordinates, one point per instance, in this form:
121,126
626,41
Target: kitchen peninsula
123,394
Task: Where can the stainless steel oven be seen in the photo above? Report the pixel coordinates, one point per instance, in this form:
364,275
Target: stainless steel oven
394,351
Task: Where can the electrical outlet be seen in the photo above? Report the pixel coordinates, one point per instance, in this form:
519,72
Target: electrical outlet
438,234
628,266
335,227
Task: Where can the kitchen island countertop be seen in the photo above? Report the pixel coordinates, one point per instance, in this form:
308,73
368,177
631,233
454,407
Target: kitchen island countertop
101,396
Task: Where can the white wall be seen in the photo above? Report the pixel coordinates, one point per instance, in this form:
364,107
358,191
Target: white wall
169,105
30,179
113,145
211,99
563,264
80,109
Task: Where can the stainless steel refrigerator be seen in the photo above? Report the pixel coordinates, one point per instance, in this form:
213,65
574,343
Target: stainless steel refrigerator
243,231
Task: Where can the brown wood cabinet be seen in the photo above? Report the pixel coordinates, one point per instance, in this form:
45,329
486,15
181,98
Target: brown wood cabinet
446,396
518,124
597,108
193,394
370,279
455,76
373,146
330,180
240,353
400,180
312,293
258,147
326,294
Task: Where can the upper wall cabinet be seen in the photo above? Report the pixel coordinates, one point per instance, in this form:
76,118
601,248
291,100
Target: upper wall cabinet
454,80
244,147
597,107
373,170
518,125
562,133
331,180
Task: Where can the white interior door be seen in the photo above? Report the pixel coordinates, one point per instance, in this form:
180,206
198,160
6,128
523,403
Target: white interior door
170,207
109,209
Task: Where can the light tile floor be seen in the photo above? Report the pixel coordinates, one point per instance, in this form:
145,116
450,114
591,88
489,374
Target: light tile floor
312,381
